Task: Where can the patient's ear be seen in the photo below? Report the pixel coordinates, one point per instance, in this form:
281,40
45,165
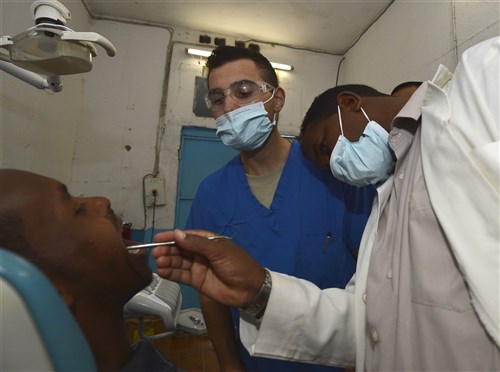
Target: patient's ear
65,292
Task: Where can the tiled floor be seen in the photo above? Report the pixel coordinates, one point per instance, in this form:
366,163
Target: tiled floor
191,353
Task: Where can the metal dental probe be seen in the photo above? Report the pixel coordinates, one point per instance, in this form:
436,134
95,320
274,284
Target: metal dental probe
149,245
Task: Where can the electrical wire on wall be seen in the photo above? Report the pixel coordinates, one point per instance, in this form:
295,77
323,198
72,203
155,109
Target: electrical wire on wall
338,71
155,194
145,206
144,202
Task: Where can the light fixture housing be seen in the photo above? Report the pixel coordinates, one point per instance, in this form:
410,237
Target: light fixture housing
50,48
207,53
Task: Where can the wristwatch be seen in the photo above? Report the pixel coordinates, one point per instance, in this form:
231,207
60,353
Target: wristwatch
255,309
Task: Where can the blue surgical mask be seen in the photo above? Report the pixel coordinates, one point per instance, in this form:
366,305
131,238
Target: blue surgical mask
246,128
367,161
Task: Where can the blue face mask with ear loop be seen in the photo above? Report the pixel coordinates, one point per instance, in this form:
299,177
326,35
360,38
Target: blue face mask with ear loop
246,128
367,161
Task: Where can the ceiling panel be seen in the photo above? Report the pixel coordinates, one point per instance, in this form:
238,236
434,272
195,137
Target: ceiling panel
329,25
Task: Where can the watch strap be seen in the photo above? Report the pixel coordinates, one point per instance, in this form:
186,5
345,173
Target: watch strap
256,308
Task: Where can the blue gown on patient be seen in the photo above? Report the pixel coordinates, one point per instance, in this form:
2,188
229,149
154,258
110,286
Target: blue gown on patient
312,229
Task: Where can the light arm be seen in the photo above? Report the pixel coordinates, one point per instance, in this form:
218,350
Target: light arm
53,82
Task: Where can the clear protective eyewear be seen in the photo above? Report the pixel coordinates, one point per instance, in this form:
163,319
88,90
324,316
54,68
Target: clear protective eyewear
241,92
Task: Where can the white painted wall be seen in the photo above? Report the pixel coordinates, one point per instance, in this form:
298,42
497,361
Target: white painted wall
116,140
411,39
99,135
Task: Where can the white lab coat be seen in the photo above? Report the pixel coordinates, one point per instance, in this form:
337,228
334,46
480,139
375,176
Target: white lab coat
307,324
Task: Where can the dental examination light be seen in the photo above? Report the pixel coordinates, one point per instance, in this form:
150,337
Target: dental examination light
44,52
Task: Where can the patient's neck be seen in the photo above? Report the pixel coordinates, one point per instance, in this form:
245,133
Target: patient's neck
103,326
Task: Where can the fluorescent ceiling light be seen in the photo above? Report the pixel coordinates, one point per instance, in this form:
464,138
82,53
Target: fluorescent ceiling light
282,66
207,53
199,52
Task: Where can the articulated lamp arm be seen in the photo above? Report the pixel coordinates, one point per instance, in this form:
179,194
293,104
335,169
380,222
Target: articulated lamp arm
52,82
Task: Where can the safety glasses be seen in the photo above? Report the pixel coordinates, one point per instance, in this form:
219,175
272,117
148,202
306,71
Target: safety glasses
241,92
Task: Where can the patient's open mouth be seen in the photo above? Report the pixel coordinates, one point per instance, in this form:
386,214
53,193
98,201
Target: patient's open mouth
129,244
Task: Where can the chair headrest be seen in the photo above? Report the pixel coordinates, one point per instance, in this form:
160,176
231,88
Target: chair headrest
61,337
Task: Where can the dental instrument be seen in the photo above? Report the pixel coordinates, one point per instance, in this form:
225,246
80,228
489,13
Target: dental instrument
171,242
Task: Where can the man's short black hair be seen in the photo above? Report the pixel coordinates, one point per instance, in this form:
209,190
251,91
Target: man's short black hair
406,84
325,104
225,54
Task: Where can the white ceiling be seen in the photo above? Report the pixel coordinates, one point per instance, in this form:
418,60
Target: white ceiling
328,25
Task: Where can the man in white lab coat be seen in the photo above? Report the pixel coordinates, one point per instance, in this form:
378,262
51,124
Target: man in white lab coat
426,291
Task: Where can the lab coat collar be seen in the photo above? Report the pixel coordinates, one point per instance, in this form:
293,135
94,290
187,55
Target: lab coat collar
413,108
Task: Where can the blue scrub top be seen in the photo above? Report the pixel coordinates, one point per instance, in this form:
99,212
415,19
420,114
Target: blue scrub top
312,229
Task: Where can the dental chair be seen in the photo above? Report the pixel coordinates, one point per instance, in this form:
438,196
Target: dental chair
38,332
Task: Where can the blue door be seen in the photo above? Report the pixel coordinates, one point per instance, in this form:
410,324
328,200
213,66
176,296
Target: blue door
201,153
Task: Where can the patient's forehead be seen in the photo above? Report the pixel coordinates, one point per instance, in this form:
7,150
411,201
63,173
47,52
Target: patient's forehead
18,179
20,182
30,195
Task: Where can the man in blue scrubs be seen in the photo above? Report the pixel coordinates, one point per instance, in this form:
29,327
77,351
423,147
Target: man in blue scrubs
291,216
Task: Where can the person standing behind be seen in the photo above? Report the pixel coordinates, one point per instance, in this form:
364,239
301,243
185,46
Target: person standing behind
288,214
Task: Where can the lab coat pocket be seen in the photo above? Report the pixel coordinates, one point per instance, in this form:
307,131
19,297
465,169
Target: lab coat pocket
435,278
486,158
